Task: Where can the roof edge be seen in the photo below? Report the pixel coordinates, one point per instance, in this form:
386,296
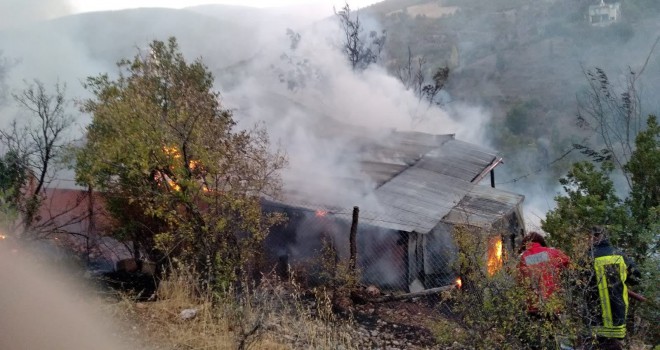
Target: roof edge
497,161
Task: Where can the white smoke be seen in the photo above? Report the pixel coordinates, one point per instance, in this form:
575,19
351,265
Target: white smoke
371,99
326,88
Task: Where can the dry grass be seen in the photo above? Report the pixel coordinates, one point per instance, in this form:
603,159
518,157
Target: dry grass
271,316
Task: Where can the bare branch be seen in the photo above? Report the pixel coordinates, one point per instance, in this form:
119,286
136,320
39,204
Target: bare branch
360,51
39,144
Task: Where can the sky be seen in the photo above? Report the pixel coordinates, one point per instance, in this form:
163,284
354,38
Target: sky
102,5
15,13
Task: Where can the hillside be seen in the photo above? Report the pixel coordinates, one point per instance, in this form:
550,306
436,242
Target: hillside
520,61
95,41
516,74
521,49
508,53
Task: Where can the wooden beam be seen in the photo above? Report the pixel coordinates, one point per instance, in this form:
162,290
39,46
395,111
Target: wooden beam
393,297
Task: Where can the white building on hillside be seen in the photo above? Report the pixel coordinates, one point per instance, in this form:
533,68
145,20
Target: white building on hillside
604,14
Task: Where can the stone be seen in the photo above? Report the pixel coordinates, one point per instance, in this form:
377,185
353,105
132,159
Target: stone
188,314
373,291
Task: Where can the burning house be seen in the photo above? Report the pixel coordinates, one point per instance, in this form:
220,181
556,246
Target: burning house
412,189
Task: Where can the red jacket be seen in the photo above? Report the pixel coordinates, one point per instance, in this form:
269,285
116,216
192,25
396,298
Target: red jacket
540,267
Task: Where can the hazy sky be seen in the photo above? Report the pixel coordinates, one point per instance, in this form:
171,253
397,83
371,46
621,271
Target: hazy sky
100,5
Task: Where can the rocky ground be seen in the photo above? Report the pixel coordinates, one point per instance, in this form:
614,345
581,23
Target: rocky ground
395,325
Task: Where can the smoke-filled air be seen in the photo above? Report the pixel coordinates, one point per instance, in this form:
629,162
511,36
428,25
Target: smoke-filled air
201,171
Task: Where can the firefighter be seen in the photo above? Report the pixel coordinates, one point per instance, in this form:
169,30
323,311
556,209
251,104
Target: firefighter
540,267
607,303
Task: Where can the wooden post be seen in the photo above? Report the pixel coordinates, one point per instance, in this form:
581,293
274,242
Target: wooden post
353,240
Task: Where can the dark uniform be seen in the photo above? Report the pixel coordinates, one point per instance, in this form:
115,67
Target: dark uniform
608,297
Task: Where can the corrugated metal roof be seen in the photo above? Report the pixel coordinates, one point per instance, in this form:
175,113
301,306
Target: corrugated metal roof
482,206
458,159
418,198
418,179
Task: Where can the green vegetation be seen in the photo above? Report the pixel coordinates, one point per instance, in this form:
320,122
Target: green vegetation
626,151
12,178
490,309
591,199
181,183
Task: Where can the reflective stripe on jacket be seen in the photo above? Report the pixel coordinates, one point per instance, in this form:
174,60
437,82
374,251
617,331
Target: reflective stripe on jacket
611,276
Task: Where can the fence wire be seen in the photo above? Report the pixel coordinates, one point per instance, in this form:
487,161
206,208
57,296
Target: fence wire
387,258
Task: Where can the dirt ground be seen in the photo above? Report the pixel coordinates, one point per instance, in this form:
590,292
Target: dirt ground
409,322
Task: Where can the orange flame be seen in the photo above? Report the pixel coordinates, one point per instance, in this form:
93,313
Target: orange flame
321,213
173,185
494,262
172,152
193,164
175,154
458,283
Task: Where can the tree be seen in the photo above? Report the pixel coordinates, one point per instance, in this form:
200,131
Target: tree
414,76
34,152
431,90
360,50
613,114
633,223
623,144
294,70
178,178
644,171
12,177
631,147
590,200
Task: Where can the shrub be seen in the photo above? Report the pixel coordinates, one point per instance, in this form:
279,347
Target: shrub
491,306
